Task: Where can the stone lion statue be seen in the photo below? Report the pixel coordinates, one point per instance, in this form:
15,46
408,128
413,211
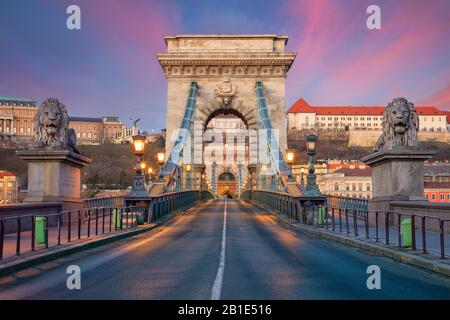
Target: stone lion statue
400,126
51,127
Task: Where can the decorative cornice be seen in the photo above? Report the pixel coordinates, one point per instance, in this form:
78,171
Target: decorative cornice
219,65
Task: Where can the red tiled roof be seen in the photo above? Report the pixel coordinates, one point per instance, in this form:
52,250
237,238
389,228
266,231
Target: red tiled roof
448,116
436,185
301,106
367,172
5,173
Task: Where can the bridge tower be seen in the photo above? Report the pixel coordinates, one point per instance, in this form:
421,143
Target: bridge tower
213,75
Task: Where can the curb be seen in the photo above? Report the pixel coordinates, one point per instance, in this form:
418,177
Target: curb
58,252
429,263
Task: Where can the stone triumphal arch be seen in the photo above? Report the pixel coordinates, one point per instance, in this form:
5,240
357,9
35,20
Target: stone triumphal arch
221,76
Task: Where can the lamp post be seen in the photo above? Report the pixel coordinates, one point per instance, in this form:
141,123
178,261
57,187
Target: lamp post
311,186
150,172
138,188
264,176
160,157
290,161
188,177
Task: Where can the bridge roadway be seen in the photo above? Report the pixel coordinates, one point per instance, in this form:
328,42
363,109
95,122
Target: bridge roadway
192,257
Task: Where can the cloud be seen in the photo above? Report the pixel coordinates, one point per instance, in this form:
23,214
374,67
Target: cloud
441,99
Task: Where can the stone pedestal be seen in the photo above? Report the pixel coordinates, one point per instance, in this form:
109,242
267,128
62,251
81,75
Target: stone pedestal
397,175
54,176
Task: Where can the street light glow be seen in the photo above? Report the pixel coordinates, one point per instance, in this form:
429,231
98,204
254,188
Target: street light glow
139,144
160,156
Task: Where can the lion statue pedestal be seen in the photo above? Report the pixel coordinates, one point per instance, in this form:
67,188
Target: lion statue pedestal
398,159
54,163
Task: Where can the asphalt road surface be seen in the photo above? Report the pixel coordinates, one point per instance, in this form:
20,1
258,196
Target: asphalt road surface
224,249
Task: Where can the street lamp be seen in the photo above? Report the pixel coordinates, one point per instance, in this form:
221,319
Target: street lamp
264,176
160,156
150,173
138,188
188,177
290,157
311,186
290,161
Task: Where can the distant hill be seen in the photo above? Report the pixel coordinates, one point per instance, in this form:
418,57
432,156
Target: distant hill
111,167
334,145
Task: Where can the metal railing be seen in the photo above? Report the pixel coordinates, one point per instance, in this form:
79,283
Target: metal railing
168,202
359,204
63,227
428,234
114,201
68,226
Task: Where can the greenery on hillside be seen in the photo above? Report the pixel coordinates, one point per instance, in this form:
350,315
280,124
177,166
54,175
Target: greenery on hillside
336,147
111,167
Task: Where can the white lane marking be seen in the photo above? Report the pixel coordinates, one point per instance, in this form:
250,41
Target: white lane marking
217,286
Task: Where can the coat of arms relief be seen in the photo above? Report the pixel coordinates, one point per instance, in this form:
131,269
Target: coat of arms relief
224,92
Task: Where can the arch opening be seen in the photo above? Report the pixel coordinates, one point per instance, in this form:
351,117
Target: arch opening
226,186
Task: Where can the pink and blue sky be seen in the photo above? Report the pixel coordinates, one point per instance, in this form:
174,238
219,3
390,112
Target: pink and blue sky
109,66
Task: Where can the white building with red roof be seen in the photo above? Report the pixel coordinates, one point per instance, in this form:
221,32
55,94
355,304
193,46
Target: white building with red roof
302,115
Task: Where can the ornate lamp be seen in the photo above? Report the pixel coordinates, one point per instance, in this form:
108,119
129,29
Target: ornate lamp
138,188
150,173
139,144
188,177
311,140
290,157
160,157
311,186
290,161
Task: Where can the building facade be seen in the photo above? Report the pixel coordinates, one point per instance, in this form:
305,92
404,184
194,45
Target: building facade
16,117
355,182
17,124
9,187
97,130
303,116
437,191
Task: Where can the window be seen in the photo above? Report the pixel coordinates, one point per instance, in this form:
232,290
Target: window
442,197
433,196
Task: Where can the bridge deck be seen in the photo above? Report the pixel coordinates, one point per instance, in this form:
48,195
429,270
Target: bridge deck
262,260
